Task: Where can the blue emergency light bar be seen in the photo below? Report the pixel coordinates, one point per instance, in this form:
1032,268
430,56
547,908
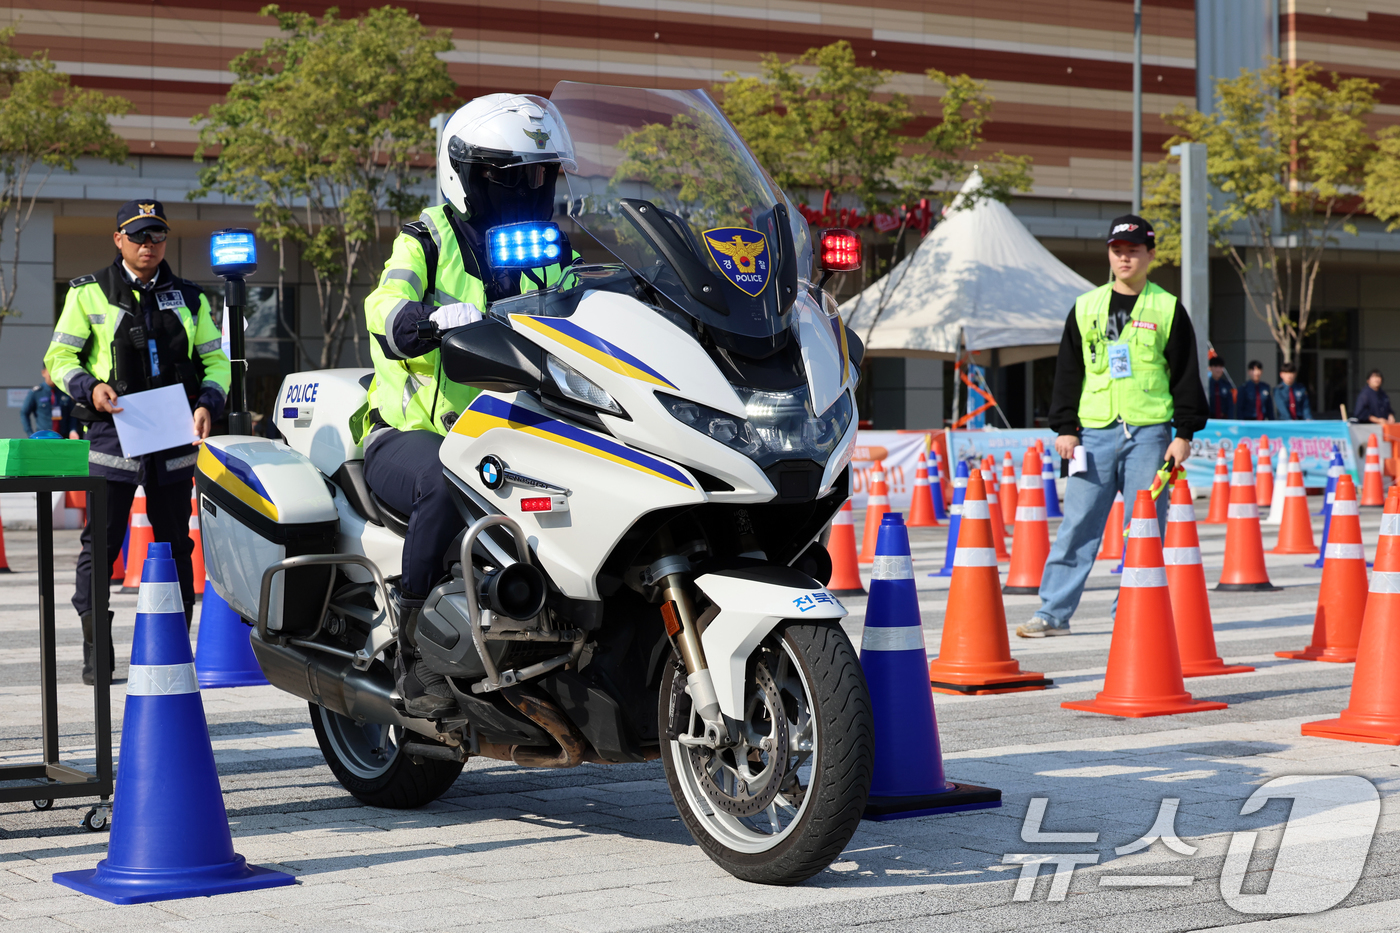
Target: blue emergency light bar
233,253
524,246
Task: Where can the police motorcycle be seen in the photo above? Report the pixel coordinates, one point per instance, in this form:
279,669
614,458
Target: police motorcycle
660,441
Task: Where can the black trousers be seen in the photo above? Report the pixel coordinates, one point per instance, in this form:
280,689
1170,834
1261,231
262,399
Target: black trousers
403,469
169,510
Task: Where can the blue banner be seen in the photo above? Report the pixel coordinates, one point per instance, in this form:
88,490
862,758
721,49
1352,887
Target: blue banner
971,446
1312,441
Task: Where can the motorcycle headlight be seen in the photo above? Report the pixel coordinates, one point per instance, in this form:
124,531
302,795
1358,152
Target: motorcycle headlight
776,426
578,387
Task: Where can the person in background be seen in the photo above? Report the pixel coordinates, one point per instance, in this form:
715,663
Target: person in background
1290,399
1221,392
1372,404
1255,400
47,408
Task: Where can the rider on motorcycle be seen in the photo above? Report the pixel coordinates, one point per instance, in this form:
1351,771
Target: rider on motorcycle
498,162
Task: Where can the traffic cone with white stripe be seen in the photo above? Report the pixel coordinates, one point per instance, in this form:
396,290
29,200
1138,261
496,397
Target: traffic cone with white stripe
1144,664
170,836
877,504
224,655
1295,534
119,564
1373,714
1341,600
1264,473
1280,487
1112,548
1007,492
1030,547
936,487
1219,512
1334,470
845,566
1372,486
1047,478
197,539
1186,584
921,507
954,520
989,483
1244,543
975,654
141,536
4,560
909,779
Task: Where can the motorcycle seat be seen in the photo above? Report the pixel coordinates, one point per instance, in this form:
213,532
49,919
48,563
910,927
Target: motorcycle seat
394,520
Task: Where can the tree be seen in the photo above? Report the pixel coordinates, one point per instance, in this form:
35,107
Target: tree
326,131
46,124
1287,156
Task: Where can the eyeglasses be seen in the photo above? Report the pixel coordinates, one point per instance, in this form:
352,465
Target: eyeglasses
516,176
141,237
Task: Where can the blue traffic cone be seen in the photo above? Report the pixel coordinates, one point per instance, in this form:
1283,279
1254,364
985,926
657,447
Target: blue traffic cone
1334,470
954,520
909,778
224,656
1052,493
170,836
936,487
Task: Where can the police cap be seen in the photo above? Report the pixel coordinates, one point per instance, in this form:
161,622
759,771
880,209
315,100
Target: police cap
141,214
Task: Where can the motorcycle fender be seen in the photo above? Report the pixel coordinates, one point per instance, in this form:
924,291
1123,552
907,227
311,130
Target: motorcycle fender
752,601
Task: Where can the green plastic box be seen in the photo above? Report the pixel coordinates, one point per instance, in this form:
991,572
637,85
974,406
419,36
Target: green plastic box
52,457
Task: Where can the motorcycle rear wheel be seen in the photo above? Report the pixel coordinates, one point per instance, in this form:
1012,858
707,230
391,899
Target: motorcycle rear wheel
829,736
366,760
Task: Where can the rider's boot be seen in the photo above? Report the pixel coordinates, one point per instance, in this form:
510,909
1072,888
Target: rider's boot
425,692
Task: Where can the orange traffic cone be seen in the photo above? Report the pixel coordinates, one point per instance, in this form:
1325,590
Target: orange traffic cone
1006,492
989,482
1244,543
876,505
1295,535
975,654
921,514
1373,714
141,537
1030,547
1219,512
1186,583
845,571
1144,665
197,555
1341,600
1372,487
1264,474
1113,532
4,560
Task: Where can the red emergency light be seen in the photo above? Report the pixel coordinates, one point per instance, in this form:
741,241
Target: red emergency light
841,250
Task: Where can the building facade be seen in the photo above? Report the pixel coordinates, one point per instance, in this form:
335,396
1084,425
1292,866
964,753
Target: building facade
1060,71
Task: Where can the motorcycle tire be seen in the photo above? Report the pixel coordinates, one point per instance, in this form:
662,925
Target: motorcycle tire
823,663
378,774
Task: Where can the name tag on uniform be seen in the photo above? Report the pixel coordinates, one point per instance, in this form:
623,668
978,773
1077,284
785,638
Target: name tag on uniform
170,301
1119,365
1145,325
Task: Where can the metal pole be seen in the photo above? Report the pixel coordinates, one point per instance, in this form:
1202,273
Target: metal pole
1195,246
240,421
1137,106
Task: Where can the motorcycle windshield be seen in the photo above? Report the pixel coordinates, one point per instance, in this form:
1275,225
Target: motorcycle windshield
667,186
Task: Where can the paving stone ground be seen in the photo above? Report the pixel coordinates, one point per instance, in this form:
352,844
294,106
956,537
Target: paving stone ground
601,848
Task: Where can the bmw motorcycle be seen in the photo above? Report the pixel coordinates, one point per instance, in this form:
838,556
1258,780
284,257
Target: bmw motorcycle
659,442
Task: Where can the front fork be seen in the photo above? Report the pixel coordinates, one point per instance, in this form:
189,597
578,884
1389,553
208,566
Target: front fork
672,574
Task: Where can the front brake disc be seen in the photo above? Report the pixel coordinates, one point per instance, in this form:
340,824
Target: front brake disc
756,782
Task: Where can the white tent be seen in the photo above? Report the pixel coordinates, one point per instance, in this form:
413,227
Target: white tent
980,276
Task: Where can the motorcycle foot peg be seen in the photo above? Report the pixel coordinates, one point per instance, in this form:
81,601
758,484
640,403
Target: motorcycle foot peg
504,679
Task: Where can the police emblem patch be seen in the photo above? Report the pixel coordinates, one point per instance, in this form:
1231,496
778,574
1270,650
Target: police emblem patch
146,210
539,136
742,257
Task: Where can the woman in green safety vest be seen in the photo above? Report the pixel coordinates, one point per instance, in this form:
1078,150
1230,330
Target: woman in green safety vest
1127,375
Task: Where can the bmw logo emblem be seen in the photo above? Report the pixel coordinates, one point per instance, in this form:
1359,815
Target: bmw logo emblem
492,472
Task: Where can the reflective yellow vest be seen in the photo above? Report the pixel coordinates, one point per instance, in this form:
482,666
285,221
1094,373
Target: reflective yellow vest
1144,397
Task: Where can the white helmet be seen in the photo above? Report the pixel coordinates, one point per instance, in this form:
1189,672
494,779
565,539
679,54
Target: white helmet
507,132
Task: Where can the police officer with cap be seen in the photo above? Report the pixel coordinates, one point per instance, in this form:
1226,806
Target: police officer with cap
127,328
1126,376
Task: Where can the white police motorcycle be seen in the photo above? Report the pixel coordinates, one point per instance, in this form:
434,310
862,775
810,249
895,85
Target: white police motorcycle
660,442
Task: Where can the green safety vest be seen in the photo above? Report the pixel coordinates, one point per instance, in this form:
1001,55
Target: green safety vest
1144,397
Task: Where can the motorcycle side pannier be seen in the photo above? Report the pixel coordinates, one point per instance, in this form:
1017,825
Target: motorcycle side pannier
260,502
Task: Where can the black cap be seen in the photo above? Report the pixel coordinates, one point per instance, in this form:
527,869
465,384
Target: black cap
141,214
1132,229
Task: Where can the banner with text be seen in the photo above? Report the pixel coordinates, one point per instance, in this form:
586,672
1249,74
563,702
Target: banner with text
971,446
900,453
1312,441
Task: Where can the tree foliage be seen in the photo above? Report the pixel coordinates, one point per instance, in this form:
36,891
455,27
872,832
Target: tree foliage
46,124
326,131
1287,158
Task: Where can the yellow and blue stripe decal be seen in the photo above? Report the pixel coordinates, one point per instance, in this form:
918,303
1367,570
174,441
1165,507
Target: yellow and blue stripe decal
488,412
237,477
566,332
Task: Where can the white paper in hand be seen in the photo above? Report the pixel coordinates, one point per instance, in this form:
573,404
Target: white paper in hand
155,420
1079,463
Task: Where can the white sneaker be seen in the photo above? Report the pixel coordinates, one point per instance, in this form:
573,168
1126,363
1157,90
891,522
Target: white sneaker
1041,628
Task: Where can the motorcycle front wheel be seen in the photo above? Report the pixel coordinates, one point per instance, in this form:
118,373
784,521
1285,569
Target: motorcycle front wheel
781,804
